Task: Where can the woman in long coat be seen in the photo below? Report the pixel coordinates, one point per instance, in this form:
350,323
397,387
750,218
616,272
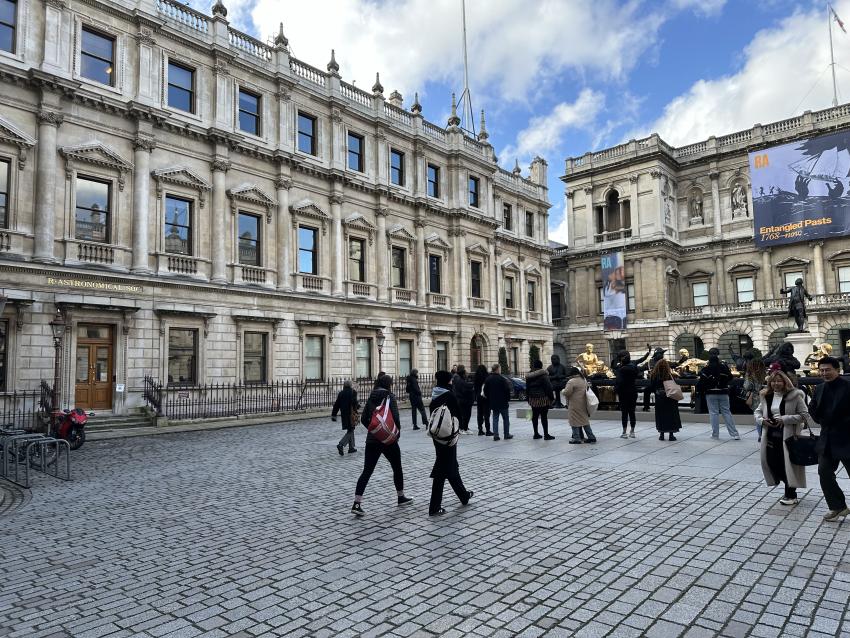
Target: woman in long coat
782,414
578,414
346,403
667,417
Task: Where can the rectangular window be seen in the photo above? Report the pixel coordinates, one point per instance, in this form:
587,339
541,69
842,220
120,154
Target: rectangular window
475,279
363,358
789,278
314,357
355,152
307,258
509,292
433,181
306,133
356,262
8,24
843,271
556,305
396,167
529,224
399,270
442,355
97,55
744,287
183,356
92,212
700,294
249,112
601,297
405,357
514,360
5,167
178,225
255,357
435,272
249,240
507,217
530,289
474,189
630,297
181,87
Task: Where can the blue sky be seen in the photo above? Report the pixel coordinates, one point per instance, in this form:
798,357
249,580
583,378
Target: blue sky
560,77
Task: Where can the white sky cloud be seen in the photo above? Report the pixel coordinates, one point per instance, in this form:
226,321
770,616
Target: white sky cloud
703,7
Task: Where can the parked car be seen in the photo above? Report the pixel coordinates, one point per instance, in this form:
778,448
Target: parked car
517,387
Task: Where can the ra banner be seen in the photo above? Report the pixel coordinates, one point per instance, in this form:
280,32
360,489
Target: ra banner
801,190
613,291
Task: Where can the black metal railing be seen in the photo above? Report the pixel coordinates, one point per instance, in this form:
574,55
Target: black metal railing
26,409
216,400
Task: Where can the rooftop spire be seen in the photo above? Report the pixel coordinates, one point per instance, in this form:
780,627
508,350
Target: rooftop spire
333,67
416,107
517,169
483,136
280,39
219,9
454,120
377,87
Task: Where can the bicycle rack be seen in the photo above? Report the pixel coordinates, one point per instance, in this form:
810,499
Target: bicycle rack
42,445
10,447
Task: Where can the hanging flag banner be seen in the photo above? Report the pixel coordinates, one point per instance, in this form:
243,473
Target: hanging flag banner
613,291
800,190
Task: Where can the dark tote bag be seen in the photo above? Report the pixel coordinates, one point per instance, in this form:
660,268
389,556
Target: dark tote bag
801,450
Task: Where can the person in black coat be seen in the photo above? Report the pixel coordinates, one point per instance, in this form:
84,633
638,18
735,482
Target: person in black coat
464,392
539,391
626,389
713,384
497,389
346,405
558,377
657,356
415,393
374,448
483,414
445,464
667,417
830,407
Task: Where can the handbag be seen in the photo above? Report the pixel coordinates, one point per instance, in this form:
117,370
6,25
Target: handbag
592,401
801,450
673,390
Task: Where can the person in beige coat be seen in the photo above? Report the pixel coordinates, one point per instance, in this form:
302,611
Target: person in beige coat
577,413
781,414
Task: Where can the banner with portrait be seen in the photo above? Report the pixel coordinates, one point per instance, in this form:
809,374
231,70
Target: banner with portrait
613,291
801,190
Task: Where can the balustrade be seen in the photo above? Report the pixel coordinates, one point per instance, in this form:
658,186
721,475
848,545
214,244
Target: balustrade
252,275
182,265
95,253
183,15
436,300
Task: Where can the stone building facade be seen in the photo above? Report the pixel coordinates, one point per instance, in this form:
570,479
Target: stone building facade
683,218
203,207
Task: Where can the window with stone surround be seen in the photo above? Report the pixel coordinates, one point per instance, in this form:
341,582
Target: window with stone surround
509,292
442,352
355,152
745,289
600,296
474,192
399,266
356,260
92,212
314,357
178,225
8,25
182,356
255,357
507,217
475,279
396,167
433,180
843,278
363,357
405,357
789,277
308,260
514,360
531,290
529,224
4,346
306,133
556,305
435,273
700,293
181,87
630,297
5,178
250,246
250,112
97,56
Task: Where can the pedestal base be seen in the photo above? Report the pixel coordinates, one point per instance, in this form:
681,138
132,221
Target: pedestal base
802,342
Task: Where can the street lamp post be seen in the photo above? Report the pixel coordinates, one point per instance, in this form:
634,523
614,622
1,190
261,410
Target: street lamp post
380,338
57,326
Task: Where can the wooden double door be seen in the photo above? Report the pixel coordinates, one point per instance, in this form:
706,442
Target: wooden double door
95,368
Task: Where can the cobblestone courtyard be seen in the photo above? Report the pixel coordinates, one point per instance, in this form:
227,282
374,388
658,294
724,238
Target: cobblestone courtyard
246,532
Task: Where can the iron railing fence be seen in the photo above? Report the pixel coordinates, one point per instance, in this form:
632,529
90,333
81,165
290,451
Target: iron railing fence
26,409
216,400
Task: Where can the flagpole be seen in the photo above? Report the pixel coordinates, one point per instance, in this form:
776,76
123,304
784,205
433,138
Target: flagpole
829,13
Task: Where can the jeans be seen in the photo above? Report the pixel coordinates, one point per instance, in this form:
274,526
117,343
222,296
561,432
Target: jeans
374,450
828,483
347,438
719,404
418,407
507,420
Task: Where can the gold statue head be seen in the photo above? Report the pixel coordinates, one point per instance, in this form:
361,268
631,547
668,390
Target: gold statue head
588,348
684,353
826,349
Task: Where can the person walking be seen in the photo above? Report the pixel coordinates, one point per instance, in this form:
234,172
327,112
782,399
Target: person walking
626,388
714,384
375,449
497,390
754,382
578,412
483,405
783,412
346,405
464,392
540,392
830,408
415,393
445,465
667,419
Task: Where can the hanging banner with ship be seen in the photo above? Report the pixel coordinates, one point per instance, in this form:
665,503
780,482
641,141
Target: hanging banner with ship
613,291
800,190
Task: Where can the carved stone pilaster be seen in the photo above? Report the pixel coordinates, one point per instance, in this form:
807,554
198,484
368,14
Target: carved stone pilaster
220,165
50,117
284,183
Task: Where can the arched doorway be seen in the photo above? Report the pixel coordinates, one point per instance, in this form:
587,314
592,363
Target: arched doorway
837,337
692,343
476,352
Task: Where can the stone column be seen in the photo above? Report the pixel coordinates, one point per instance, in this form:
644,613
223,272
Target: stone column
45,197
661,285
546,295
141,203
337,249
422,261
633,205
638,284
460,269
383,267
715,203
766,275
720,284
284,234
494,285
571,309
219,221
523,301
820,283
500,295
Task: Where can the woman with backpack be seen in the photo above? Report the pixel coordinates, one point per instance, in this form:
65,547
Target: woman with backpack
539,390
346,405
578,411
464,392
444,405
415,393
378,399
667,417
714,384
483,414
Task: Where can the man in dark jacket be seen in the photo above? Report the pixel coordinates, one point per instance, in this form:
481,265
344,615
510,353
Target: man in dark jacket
464,391
657,356
497,389
415,393
346,404
558,377
830,407
374,448
445,464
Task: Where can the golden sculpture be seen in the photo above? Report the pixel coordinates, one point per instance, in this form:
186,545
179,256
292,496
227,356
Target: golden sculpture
590,364
692,366
823,350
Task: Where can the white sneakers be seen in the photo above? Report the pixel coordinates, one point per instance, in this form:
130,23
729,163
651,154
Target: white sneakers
789,501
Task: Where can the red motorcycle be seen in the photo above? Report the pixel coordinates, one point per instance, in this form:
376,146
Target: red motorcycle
70,425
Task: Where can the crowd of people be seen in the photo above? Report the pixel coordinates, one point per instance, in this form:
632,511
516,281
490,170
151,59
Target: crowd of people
780,413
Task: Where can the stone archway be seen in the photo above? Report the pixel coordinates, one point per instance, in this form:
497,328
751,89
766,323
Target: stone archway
735,343
692,343
477,351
